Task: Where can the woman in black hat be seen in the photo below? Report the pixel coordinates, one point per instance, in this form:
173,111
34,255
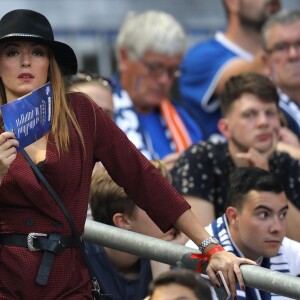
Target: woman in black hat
81,134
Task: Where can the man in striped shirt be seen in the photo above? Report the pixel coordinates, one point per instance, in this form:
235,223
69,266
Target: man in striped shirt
254,226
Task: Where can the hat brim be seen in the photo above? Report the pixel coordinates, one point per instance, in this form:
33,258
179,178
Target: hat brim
63,53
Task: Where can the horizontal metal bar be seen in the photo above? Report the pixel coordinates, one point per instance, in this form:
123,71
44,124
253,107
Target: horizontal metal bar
169,253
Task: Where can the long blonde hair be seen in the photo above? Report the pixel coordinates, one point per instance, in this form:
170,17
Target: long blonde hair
62,116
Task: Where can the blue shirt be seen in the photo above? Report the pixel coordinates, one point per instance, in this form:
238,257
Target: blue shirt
148,132
200,72
160,136
111,282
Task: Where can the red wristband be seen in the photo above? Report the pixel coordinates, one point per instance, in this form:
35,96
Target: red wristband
205,257
214,250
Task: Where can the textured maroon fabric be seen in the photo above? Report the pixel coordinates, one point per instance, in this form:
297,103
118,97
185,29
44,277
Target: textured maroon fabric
26,206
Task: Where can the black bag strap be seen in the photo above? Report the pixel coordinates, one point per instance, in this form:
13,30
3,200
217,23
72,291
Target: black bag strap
96,286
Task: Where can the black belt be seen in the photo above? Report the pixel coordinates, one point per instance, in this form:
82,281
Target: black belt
39,241
52,244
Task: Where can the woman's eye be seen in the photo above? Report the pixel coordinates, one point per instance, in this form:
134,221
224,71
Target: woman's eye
38,52
12,53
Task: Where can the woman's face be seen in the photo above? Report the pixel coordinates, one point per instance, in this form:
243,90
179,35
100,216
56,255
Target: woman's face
23,67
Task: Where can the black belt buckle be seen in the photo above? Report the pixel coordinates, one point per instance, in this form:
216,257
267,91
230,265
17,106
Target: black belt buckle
31,236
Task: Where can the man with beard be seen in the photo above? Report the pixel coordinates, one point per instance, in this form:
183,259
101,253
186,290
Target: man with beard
281,42
208,65
250,123
254,226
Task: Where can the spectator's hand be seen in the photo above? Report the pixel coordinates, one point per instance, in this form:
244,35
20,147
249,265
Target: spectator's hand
8,151
179,238
175,236
170,160
287,136
229,264
255,158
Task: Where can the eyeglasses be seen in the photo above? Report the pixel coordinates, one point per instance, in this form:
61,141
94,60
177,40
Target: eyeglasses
283,48
81,77
157,69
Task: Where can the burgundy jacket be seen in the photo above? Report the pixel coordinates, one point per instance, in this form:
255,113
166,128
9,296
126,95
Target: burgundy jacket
26,206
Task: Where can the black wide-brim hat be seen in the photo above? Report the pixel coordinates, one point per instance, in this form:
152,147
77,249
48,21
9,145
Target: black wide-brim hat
29,25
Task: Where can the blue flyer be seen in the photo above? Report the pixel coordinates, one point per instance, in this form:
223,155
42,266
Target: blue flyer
29,117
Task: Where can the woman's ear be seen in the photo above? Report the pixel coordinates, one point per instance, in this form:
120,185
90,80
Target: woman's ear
232,216
223,127
121,220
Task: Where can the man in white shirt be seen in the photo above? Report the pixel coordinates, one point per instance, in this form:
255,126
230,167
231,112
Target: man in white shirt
254,226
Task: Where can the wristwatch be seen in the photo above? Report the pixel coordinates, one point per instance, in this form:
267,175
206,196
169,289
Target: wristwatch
206,242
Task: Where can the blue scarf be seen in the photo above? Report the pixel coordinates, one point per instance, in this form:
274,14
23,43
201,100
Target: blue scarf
170,122
219,229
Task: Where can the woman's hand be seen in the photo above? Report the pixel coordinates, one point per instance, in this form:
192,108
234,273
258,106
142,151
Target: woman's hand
8,151
229,264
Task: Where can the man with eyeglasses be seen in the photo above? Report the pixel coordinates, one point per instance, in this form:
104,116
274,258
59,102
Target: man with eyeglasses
150,47
281,41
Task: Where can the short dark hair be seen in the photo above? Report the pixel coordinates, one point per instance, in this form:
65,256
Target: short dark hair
243,180
186,278
252,83
107,198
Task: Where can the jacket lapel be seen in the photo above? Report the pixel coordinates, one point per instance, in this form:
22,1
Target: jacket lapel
34,191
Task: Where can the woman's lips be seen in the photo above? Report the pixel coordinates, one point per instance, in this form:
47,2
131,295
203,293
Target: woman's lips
26,76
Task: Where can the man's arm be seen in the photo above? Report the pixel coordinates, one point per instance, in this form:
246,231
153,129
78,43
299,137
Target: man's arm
203,209
239,66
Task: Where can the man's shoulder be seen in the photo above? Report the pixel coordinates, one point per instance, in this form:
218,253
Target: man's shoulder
280,158
209,147
291,110
289,244
206,153
288,258
209,48
217,147
81,104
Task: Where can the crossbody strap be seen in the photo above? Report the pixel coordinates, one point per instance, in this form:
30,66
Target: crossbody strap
65,212
51,191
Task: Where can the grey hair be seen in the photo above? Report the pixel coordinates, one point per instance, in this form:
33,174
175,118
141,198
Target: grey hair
151,31
283,17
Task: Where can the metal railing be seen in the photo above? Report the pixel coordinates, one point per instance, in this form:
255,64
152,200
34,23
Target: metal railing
172,254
